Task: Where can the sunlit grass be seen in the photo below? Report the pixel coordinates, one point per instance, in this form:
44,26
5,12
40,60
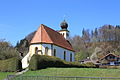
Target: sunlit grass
82,72
4,75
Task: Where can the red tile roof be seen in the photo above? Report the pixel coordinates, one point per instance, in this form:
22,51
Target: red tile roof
47,35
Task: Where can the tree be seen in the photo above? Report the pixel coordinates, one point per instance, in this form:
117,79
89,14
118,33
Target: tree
86,35
77,43
23,45
30,36
94,34
107,33
7,50
117,33
81,51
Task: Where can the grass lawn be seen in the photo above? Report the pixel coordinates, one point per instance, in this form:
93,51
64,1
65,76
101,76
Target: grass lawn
82,72
3,75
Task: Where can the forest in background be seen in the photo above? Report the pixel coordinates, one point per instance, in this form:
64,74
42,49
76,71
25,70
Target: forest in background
106,37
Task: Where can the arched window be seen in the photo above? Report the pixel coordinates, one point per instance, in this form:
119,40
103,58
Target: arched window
46,50
36,50
67,34
63,34
54,54
64,55
70,57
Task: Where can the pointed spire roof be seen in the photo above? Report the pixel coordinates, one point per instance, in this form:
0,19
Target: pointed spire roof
47,35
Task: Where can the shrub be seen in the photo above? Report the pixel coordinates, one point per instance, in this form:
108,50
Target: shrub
42,61
90,64
9,65
110,66
81,55
78,65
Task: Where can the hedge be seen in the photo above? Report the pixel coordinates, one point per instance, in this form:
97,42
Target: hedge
43,61
110,66
10,65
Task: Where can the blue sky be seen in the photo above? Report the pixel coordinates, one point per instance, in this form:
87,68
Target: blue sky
18,18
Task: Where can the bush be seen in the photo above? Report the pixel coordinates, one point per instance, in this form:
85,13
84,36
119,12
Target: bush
110,66
78,65
10,65
90,64
42,61
81,55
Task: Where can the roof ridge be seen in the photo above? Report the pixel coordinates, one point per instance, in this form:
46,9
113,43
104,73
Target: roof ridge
109,54
41,31
47,28
47,32
39,28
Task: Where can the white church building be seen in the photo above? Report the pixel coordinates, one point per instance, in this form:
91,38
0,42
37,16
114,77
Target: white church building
47,41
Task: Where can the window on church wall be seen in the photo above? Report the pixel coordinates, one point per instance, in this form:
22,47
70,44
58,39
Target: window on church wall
70,57
64,55
63,34
67,34
54,54
36,50
41,52
46,50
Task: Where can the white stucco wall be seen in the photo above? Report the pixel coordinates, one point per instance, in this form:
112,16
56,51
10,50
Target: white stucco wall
64,33
59,51
32,48
49,49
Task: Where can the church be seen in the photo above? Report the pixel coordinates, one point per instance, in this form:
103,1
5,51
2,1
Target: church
47,41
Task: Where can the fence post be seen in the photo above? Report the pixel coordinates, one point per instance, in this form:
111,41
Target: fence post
75,78
21,78
8,77
48,77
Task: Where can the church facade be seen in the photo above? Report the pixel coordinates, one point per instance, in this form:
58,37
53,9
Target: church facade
47,41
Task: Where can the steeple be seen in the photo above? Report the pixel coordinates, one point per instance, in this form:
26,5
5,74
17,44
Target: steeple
64,31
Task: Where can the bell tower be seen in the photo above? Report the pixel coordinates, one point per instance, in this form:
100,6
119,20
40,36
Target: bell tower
64,31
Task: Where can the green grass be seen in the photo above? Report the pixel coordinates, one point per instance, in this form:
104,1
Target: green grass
79,72
3,75
82,72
